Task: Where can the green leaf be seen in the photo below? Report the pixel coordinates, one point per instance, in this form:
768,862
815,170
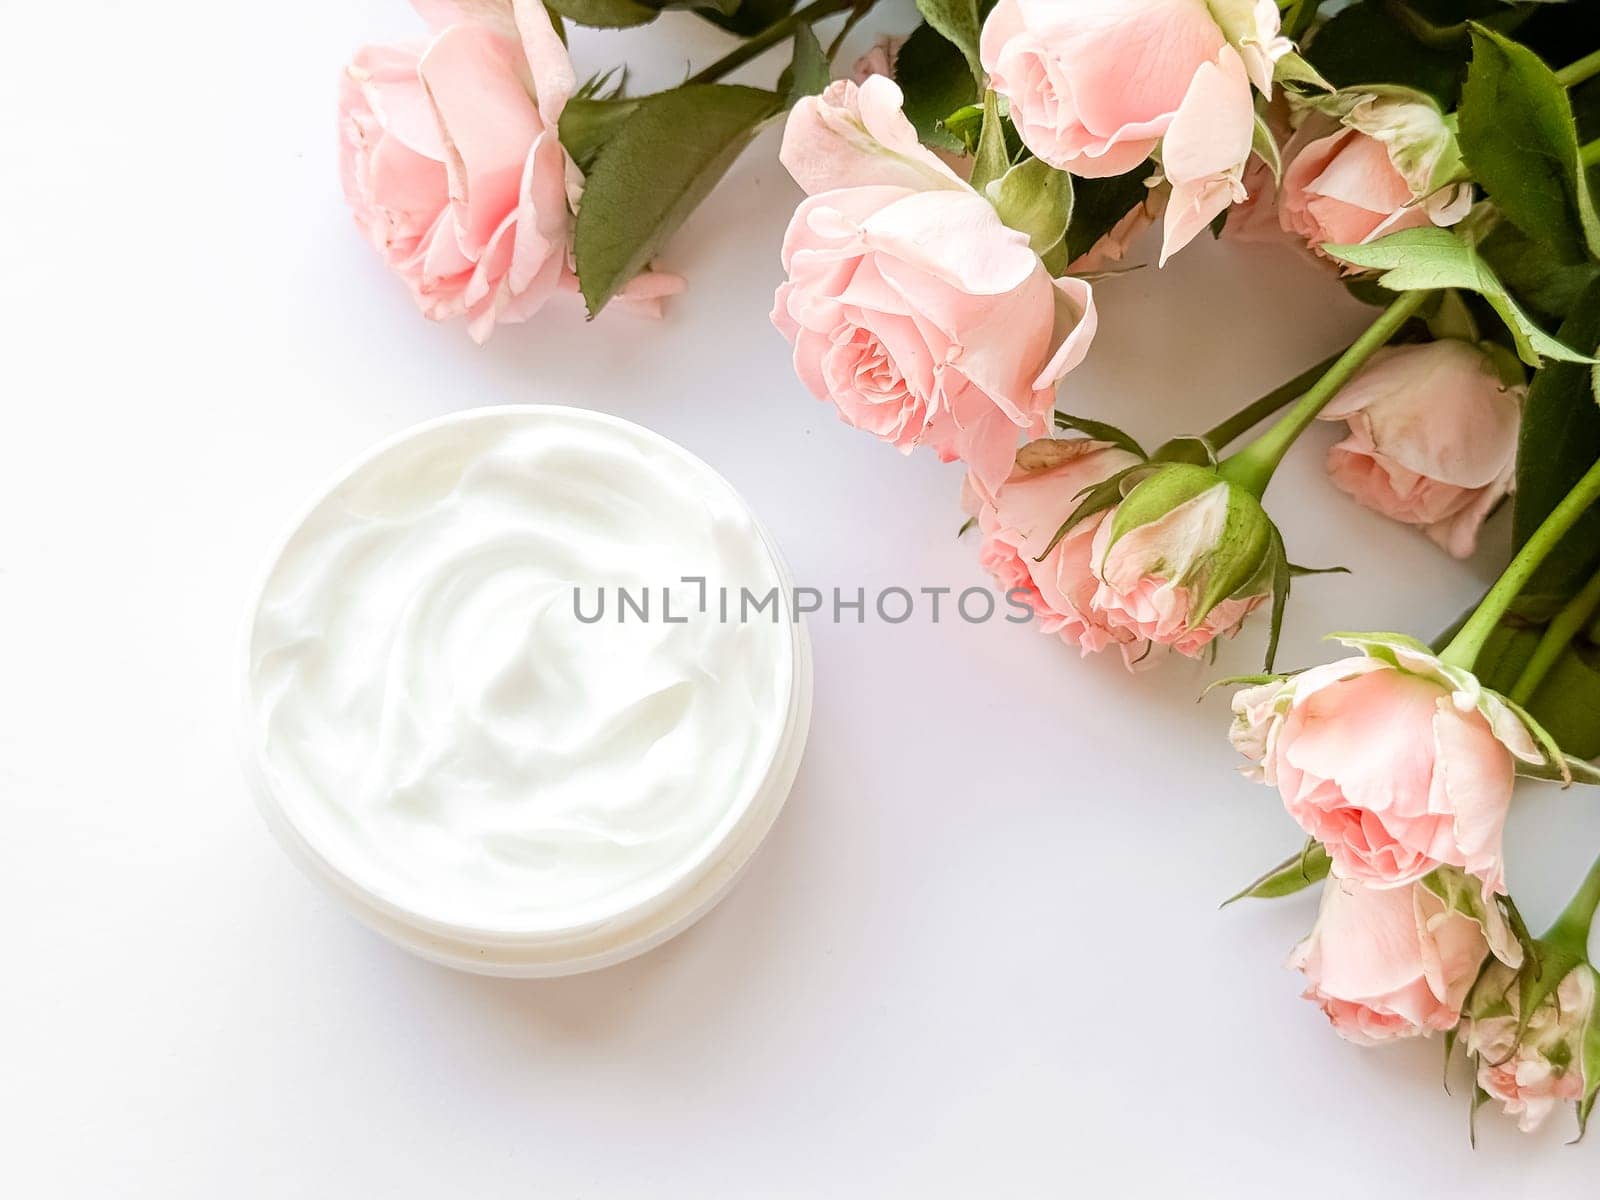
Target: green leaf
1365,44
958,21
605,14
807,73
1100,431
653,171
1431,258
936,81
1567,703
749,17
1036,199
587,124
1531,271
1295,873
991,160
1098,204
1519,142
1560,440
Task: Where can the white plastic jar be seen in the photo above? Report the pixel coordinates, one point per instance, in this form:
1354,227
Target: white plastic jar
518,691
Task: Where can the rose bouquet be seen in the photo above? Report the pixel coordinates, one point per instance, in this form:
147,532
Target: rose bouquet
966,189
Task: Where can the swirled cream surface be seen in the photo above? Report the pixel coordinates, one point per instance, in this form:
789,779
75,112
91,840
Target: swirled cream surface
439,723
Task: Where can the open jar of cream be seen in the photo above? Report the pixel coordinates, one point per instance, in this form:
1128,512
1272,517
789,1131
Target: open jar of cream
525,687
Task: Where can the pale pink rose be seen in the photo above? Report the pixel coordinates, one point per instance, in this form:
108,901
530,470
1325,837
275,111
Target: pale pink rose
878,60
1433,438
1019,518
1397,763
1386,166
1531,1075
1095,87
911,307
451,164
1386,963
1151,578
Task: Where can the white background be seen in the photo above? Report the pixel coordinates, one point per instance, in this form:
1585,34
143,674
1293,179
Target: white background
980,953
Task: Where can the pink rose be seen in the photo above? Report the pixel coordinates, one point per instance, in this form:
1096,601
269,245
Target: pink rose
1186,569
1396,762
1385,963
453,168
1433,438
1019,518
1386,165
1094,87
910,306
1529,1075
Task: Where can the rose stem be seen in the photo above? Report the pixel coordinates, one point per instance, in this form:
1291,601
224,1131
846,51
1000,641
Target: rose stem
1560,632
1575,73
1251,468
770,36
1464,647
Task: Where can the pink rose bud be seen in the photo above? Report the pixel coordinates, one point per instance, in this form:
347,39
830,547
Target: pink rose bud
1370,162
1433,438
1386,963
1529,1074
1020,517
1184,558
911,307
1396,762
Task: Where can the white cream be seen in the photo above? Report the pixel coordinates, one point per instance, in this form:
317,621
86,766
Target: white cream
428,713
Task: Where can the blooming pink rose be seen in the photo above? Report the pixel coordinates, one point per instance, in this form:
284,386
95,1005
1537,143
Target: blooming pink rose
1397,763
1530,1075
1433,438
910,306
1152,577
1386,166
1385,963
1019,518
1095,86
450,161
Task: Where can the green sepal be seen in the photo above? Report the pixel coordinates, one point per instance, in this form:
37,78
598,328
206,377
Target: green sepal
1590,1049
1100,431
1091,500
1034,198
1282,581
991,160
1193,449
1294,874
